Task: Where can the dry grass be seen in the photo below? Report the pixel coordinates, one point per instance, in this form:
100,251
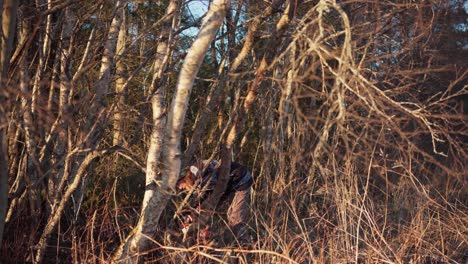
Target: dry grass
362,159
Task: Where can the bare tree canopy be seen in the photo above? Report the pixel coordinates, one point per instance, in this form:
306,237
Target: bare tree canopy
350,116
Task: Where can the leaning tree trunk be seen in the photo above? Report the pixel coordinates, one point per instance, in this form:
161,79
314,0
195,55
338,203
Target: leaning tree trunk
137,240
7,35
156,197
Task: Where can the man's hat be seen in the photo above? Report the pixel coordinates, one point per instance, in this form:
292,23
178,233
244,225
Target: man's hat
194,170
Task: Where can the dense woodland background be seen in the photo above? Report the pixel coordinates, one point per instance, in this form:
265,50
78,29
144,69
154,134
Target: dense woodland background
350,114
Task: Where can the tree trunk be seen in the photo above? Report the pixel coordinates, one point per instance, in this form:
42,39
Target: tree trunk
33,167
119,83
171,152
64,88
156,197
95,122
44,54
98,115
7,35
137,241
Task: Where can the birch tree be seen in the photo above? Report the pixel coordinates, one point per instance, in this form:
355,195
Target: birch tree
65,62
349,115
158,193
120,82
138,241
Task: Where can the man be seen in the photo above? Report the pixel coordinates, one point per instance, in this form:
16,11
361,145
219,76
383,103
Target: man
202,178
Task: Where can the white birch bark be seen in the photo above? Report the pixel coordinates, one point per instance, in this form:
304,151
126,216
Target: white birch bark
44,54
65,61
137,241
64,90
97,118
86,56
192,62
107,60
119,83
284,109
155,200
55,71
95,123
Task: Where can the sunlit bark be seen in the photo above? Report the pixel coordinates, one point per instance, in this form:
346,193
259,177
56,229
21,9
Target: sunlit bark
119,83
138,241
33,170
171,152
44,55
156,198
63,117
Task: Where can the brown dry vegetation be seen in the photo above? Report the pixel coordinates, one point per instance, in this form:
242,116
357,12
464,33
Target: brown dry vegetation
356,137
